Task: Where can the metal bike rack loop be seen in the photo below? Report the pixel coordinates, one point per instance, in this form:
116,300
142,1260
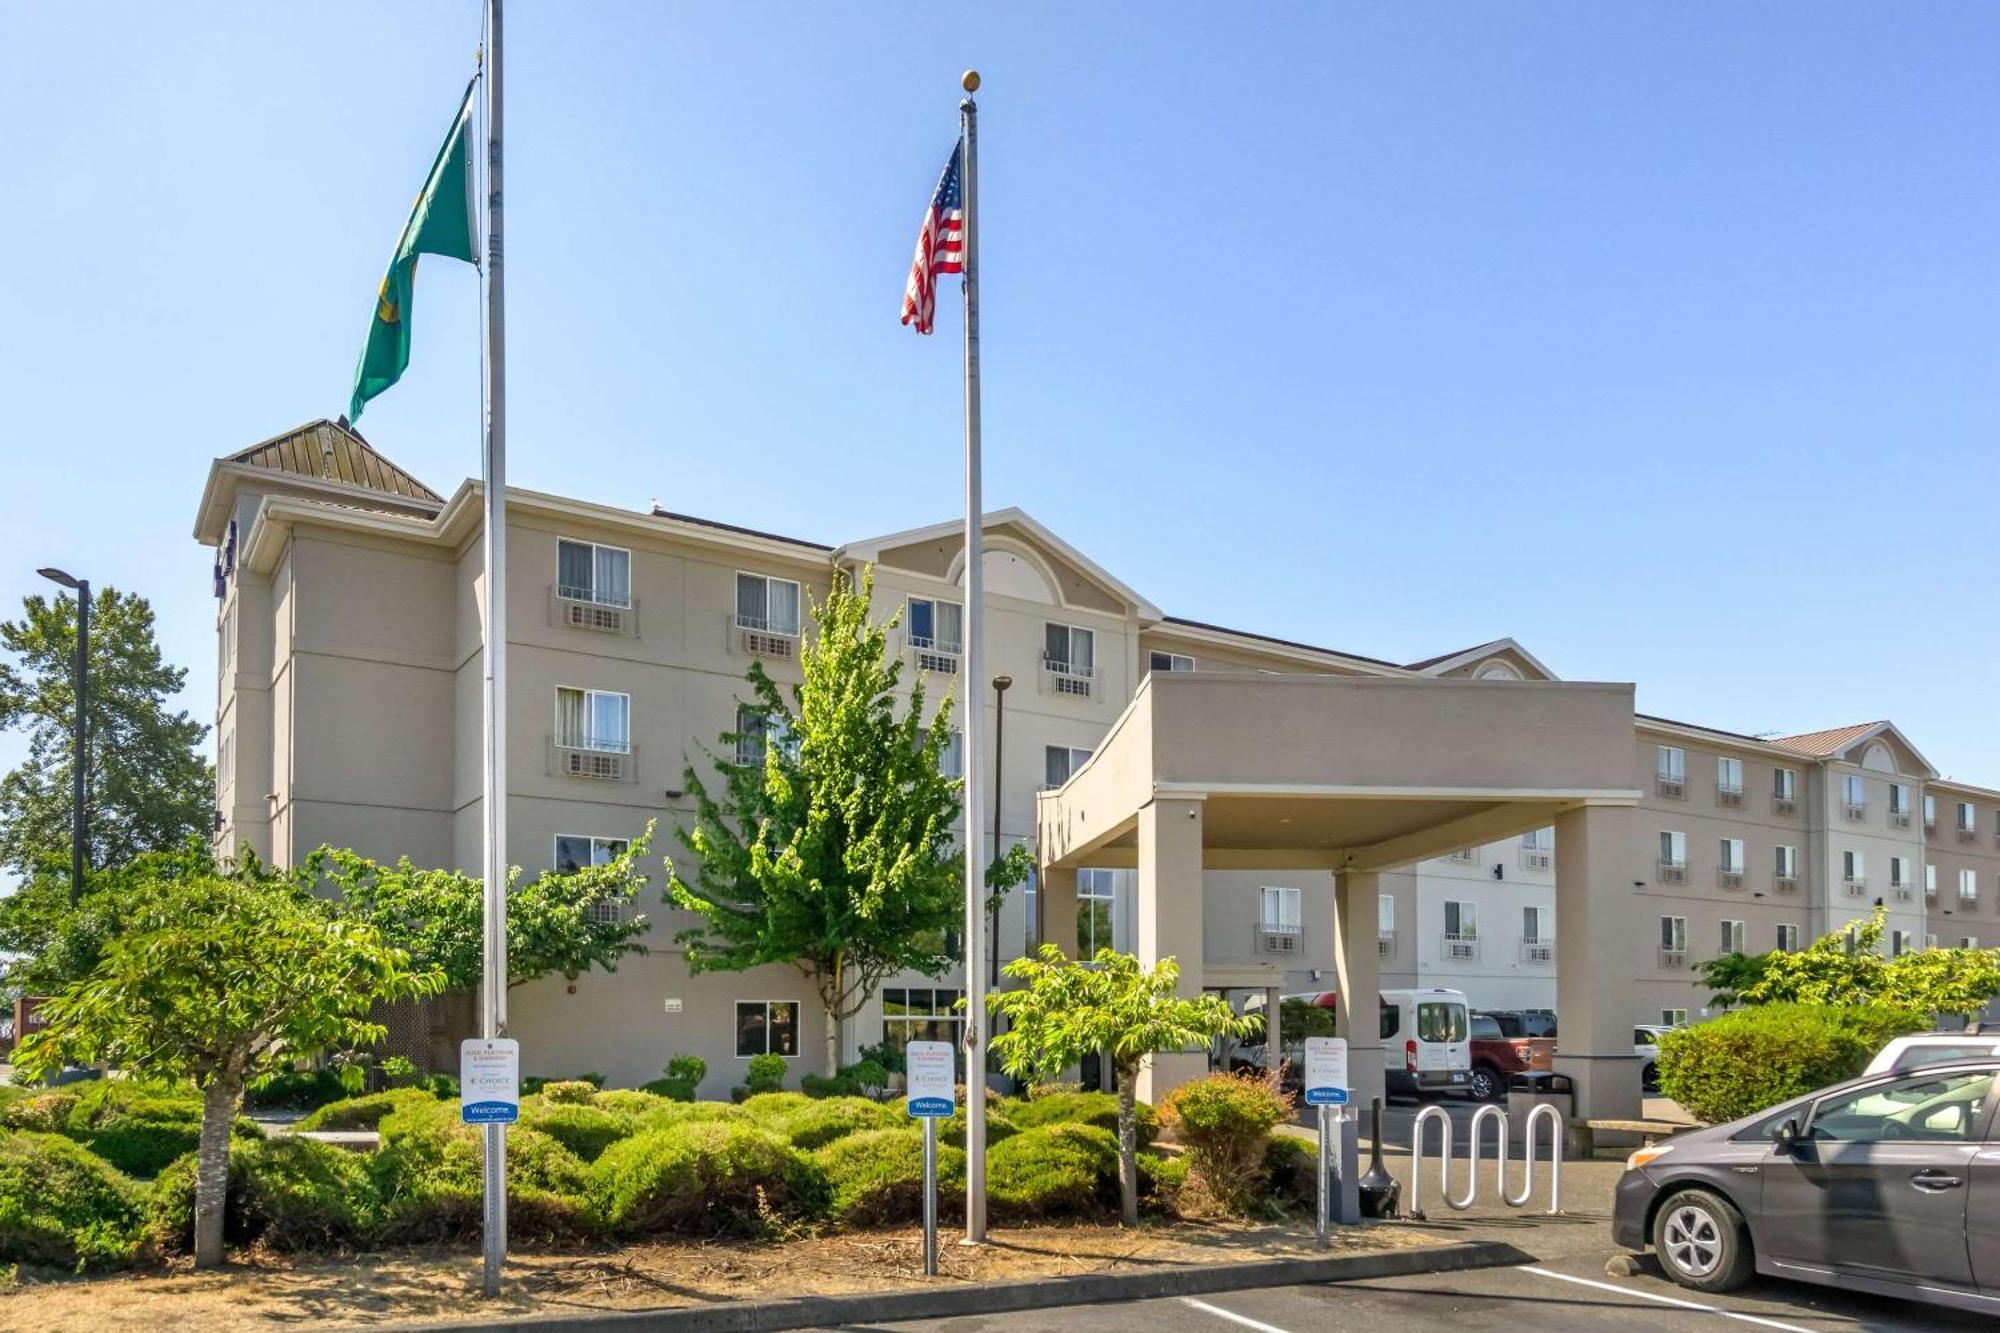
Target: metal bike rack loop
1473,1152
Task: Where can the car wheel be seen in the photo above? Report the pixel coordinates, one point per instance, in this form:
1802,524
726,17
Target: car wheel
1484,1084
1702,1242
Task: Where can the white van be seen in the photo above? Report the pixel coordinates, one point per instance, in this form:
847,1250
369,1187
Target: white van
1425,1041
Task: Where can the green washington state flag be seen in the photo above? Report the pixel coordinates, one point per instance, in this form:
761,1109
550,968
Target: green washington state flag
440,224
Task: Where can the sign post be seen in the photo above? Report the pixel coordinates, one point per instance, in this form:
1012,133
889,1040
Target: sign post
489,1080
930,1068
1326,1088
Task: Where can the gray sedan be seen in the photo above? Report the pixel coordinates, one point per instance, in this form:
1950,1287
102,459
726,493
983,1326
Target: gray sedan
1887,1183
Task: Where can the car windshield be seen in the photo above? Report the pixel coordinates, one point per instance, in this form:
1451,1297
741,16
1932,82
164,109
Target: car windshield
1486,1028
1440,1020
1917,1055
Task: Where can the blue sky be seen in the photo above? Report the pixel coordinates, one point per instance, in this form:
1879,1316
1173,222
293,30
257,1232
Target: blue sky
1662,338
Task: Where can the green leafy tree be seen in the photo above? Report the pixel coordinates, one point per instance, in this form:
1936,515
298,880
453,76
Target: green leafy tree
833,852
220,980
1846,967
1730,976
46,944
1065,1010
553,925
147,787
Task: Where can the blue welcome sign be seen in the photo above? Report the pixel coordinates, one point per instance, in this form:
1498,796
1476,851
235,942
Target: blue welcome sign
489,1081
930,1067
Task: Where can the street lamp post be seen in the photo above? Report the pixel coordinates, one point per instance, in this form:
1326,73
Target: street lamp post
80,728
1000,684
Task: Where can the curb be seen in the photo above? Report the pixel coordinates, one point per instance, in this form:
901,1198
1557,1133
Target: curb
986,1298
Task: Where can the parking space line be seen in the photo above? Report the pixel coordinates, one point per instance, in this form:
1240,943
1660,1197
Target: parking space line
1666,1300
1231,1316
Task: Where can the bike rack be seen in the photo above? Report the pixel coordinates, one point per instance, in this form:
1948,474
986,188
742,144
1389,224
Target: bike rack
1479,1118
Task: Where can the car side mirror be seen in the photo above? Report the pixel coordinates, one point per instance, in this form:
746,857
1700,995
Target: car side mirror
1785,1134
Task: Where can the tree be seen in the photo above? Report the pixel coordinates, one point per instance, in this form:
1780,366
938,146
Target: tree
220,980
1846,967
1730,975
832,850
46,943
1066,1010
147,787
553,921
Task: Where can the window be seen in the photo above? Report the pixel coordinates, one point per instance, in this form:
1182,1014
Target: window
1899,799
1930,941
1441,1020
1854,793
1539,840
1899,872
1787,862
1069,658
1729,775
1930,813
1732,856
1968,818
1934,1108
767,1027
1059,762
593,720
1853,868
1673,1018
1930,880
937,633
1096,914
1968,886
587,572
756,732
225,761
1673,764
1968,941
1788,938
951,759
1278,912
920,1014
1674,934
767,604
1784,785
1673,849
1171,662
1385,914
1538,925
1732,937
574,851
1899,943
1461,920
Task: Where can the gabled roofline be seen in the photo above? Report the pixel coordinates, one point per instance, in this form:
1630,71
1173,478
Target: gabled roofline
1438,666
1667,726
1879,729
212,514
869,551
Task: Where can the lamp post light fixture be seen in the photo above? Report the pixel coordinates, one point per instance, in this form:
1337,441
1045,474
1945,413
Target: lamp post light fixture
80,728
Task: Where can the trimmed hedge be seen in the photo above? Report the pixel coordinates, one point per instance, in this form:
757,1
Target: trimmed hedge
712,1177
1053,1171
1081,1108
670,1087
767,1107
585,1130
819,1123
298,1090
877,1177
63,1206
570,1091
428,1174
1750,1059
137,1127
363,1112
999,1121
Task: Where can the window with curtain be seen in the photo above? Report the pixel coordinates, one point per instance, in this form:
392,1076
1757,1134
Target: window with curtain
1537,925
1674,934
593,720
588,572
1171,662
1853,866
1385,914
1731,851
1783,781
1673,848
574,851
1787,862
1279,909
1788,938
1461,920
768,604
1060,761
1069,648
1729,774
937,624
1673,763
1732,937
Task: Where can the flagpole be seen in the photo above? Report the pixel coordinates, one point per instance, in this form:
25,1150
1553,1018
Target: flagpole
493,990
974,702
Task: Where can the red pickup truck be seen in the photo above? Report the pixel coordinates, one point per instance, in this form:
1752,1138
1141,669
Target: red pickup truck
1501,1048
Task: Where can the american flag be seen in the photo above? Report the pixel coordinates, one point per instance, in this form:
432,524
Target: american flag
940,246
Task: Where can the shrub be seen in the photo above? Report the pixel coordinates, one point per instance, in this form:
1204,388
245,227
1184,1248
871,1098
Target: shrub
44,1113
1289,1164
441,1086
766,1073
139,1128
585,1130
298,1194
768,1107
951,1129
1082,1108
868,1075
1054,1171
813,1085
536,1083
429,1177
819,1123
673,1089
703,1177
363,1112
885,1055
570,1092
877,1176
635,1102
296,1090
1161,1179
64,1207
688,1068
1750,1059
1037,1091
1226,1122
399,1071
